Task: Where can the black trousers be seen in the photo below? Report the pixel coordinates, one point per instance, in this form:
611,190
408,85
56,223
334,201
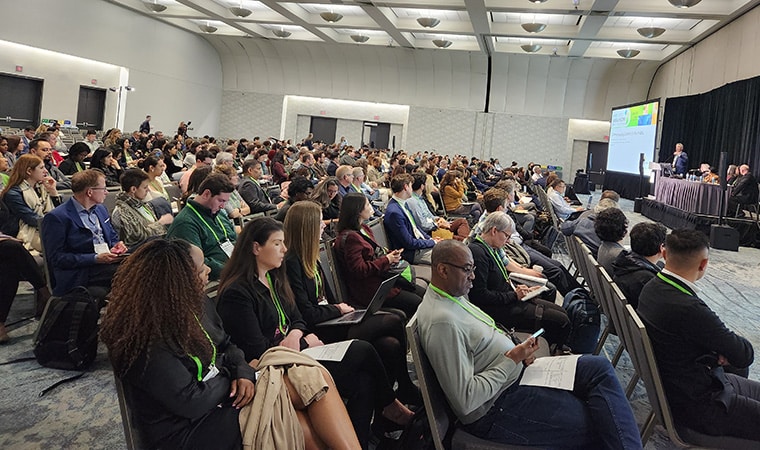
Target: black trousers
16,264
523,317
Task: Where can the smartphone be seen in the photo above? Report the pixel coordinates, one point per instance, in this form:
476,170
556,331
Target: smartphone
537,333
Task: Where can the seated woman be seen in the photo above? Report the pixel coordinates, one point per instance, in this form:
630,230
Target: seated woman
493,292
365,262
184,381
316,302
75,162
453,192
257,306
154,167
173,160
236,207
25,202
133,218
103,160
326,195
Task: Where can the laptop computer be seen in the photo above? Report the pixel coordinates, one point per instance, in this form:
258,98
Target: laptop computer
374,306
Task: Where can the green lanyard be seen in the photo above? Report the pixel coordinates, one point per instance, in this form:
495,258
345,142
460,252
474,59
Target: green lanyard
280,313
209,226
674,284
317,280
356,188
197,360
474,311
496,258
149,212
255,181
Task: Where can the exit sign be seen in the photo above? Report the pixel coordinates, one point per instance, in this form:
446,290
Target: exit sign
322,113
19,68
93,81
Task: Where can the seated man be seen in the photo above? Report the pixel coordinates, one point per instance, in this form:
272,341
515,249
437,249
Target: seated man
611,226
426,220
42,149
632,270
81,246
694,349
494,292
400,226
204,224
744,192
583,226
250,188
557,197
479,369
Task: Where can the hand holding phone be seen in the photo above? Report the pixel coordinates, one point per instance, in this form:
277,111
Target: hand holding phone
537,333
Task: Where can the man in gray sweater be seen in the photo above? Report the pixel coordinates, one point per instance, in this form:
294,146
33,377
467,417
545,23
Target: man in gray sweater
479,369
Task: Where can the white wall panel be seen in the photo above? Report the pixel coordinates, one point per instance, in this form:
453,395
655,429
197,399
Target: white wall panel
445,130
170,85
249,114
529,138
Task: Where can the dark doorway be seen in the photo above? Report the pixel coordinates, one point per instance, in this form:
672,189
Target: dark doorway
20,101
596,162
376,135
92,106
323,129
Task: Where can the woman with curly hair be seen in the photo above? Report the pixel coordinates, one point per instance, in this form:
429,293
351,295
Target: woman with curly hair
184,382
259,311
326,195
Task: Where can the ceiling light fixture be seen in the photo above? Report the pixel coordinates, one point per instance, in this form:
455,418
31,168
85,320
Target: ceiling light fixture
628,53
281,33
537,1
683,3
207,28
155,7
360,38
533,27
530,48
330,16
428,22
240,12
650,32
442,43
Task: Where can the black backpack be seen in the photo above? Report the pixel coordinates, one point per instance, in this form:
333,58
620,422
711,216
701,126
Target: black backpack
68,334
585,319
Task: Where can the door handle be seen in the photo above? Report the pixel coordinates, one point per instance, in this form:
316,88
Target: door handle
13,119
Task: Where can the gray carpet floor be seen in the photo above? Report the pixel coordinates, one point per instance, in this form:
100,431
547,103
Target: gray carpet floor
84,414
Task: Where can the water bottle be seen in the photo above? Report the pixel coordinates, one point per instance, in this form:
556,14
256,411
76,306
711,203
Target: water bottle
588,205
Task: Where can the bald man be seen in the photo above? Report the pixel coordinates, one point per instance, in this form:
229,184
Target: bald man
695,351
744,192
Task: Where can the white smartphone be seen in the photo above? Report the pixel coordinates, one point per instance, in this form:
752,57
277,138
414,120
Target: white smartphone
537,333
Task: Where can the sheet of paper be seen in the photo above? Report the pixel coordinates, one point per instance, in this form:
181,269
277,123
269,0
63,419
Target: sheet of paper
552,371
330,352
534,294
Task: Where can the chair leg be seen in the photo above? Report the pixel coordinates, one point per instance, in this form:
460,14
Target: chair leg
631,385
647,428
602,339
618,354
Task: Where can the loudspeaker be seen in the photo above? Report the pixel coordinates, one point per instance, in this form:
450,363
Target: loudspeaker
637,204
723,237
722,169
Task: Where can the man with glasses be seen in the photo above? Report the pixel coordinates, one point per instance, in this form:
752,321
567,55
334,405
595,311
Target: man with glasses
495,293
479,369
81,246
42,149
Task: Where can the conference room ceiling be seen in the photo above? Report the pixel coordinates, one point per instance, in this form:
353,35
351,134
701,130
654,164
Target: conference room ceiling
573,28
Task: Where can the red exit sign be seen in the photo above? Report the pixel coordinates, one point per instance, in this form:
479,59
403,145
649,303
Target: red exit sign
322,113
19,68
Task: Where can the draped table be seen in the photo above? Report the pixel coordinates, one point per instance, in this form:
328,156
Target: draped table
690,196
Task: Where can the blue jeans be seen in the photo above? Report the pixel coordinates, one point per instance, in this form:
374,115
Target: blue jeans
595,414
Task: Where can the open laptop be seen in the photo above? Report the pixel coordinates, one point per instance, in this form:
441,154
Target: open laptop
374,306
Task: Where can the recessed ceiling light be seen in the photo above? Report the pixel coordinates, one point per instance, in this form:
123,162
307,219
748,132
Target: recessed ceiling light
537,1
530,48
240,11
533,27
281,33
360,38
684,3
206,28
442,43
155,7
330,16
628,53
428,22
650,32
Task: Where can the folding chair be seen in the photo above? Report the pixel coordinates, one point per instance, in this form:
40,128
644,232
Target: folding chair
646,366
440,416
133,440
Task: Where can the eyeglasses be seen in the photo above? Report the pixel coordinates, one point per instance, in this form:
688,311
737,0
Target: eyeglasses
506,235
98,189
468,270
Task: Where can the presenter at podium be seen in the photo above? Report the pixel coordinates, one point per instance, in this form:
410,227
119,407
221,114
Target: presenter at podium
680,160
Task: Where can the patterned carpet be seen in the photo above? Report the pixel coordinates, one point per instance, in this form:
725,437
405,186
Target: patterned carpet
84,414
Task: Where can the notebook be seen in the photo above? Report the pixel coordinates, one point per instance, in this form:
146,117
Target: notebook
374,306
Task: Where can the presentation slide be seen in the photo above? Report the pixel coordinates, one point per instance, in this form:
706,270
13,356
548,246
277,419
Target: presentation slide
633,130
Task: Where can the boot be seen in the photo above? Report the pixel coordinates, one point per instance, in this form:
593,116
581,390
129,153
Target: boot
4,338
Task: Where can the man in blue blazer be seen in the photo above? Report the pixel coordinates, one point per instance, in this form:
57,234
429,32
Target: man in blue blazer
680,161
400,227
81,247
